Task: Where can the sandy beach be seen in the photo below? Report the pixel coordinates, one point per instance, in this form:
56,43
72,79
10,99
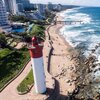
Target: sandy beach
71,69
63,63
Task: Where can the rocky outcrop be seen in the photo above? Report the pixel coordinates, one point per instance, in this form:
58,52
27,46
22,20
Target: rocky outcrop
88,81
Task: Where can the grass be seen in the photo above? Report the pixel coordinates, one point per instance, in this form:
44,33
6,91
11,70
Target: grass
25,85
11,64
4,52
37,30
13,44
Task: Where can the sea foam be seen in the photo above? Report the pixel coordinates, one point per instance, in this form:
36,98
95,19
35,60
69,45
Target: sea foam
85,35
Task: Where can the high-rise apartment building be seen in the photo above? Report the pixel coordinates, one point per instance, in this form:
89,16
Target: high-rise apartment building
20,7
3,15
11,6
41,8
16,6
4,24
25,3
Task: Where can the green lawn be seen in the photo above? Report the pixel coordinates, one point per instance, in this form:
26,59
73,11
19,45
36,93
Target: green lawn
37,30
4,53
25,85
11,64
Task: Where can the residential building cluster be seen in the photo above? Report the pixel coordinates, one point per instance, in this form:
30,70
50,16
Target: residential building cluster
25,8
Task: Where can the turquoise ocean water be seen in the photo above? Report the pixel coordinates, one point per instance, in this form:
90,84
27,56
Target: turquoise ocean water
85,35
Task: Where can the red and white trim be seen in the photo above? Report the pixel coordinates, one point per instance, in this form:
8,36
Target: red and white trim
38,66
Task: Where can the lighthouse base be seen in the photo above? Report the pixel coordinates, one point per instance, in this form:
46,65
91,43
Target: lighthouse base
39,75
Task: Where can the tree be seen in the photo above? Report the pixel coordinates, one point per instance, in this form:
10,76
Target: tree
3,41
38,31
19,18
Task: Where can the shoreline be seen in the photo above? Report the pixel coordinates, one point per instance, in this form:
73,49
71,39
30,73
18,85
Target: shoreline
87,82
60,18
63,69
62,37
79,69
79,66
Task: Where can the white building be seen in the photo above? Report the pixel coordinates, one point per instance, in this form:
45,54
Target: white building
4,24
41,8
25,3
3,14
11,6
20,7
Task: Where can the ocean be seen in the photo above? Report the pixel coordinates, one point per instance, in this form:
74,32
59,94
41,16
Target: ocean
85,35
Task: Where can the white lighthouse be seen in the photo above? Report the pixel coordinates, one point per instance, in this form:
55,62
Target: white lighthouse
37,64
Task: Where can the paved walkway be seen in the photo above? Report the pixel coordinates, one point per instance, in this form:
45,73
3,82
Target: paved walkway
10,92
20,45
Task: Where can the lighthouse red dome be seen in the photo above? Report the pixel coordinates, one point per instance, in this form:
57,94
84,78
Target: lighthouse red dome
36,52
34,41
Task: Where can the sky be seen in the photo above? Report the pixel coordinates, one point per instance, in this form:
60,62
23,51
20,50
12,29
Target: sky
71,2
